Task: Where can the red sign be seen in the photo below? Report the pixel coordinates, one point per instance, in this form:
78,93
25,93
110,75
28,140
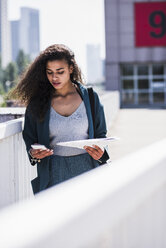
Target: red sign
150,24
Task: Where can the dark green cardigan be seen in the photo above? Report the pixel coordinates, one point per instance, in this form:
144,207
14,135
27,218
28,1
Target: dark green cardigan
38,132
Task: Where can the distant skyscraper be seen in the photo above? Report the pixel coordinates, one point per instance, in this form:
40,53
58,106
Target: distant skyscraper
15,38
29,31
94,64
5,43
103,68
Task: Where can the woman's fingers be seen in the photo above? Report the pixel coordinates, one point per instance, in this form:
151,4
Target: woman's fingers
95,152
44,153
38,153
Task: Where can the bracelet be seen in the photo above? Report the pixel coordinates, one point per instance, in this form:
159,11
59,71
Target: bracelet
33,159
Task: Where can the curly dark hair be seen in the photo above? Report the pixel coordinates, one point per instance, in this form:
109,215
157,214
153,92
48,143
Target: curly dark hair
34,88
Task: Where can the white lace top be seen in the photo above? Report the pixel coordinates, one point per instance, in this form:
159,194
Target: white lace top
73,127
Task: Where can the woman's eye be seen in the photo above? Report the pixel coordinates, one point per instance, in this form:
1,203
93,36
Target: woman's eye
50,73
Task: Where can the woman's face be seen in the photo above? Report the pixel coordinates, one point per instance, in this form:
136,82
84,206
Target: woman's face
58,73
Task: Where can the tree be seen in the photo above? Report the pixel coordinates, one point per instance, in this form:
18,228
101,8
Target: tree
1,79
22,61
1,89
1,71
11,72
10,75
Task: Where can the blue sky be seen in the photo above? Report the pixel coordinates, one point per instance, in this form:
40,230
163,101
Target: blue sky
74,23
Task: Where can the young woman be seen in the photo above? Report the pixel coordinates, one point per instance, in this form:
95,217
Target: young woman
58,109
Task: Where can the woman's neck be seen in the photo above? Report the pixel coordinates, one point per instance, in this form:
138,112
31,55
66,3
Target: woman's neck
65,91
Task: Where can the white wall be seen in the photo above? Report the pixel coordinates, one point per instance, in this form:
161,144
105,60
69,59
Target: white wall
15,169
120,205
111,103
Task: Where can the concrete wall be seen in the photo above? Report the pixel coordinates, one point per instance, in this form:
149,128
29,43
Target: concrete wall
120,205
111,103
10,113
15,169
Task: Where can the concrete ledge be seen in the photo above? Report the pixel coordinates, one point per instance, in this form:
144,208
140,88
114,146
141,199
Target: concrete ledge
111,206
111,102
7,114
12,110
10,128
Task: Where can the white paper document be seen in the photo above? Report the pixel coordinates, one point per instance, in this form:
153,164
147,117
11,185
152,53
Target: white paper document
102,142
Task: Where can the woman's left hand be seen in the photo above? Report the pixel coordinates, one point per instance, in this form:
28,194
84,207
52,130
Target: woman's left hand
95,152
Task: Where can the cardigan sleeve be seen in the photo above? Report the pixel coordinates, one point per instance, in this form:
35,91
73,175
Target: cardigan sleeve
100,123
29,133
100,126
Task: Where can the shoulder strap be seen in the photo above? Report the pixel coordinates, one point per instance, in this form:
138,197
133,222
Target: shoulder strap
92,104
79,92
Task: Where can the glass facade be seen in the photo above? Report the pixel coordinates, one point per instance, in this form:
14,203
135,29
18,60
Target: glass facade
143,85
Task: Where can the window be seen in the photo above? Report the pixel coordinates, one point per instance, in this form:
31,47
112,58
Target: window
158,97
143,70
127,70
143,98
158,69
143,84
128,98
158,83
128,84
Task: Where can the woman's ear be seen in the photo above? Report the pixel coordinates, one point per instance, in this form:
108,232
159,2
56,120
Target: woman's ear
71,69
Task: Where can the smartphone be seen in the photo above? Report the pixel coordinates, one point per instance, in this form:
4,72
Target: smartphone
42,147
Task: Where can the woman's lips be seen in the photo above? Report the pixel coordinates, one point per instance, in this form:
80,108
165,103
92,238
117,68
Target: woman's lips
55,83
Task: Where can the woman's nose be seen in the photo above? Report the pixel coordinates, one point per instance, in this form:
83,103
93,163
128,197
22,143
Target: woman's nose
54,76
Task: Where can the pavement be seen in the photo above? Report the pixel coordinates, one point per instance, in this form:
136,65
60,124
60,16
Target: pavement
136,128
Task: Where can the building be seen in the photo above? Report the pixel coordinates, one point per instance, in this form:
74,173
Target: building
25,33
29,32
136,51
5,43
15,38
94,64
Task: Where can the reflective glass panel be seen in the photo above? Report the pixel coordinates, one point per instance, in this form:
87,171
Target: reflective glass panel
128,98
158,83
158,69
128,84
143,84
158,97
143,98
127,70
142,70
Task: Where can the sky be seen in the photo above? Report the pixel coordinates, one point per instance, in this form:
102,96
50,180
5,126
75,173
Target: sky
74,23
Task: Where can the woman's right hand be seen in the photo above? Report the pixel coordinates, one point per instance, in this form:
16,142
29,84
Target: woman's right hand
39,153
